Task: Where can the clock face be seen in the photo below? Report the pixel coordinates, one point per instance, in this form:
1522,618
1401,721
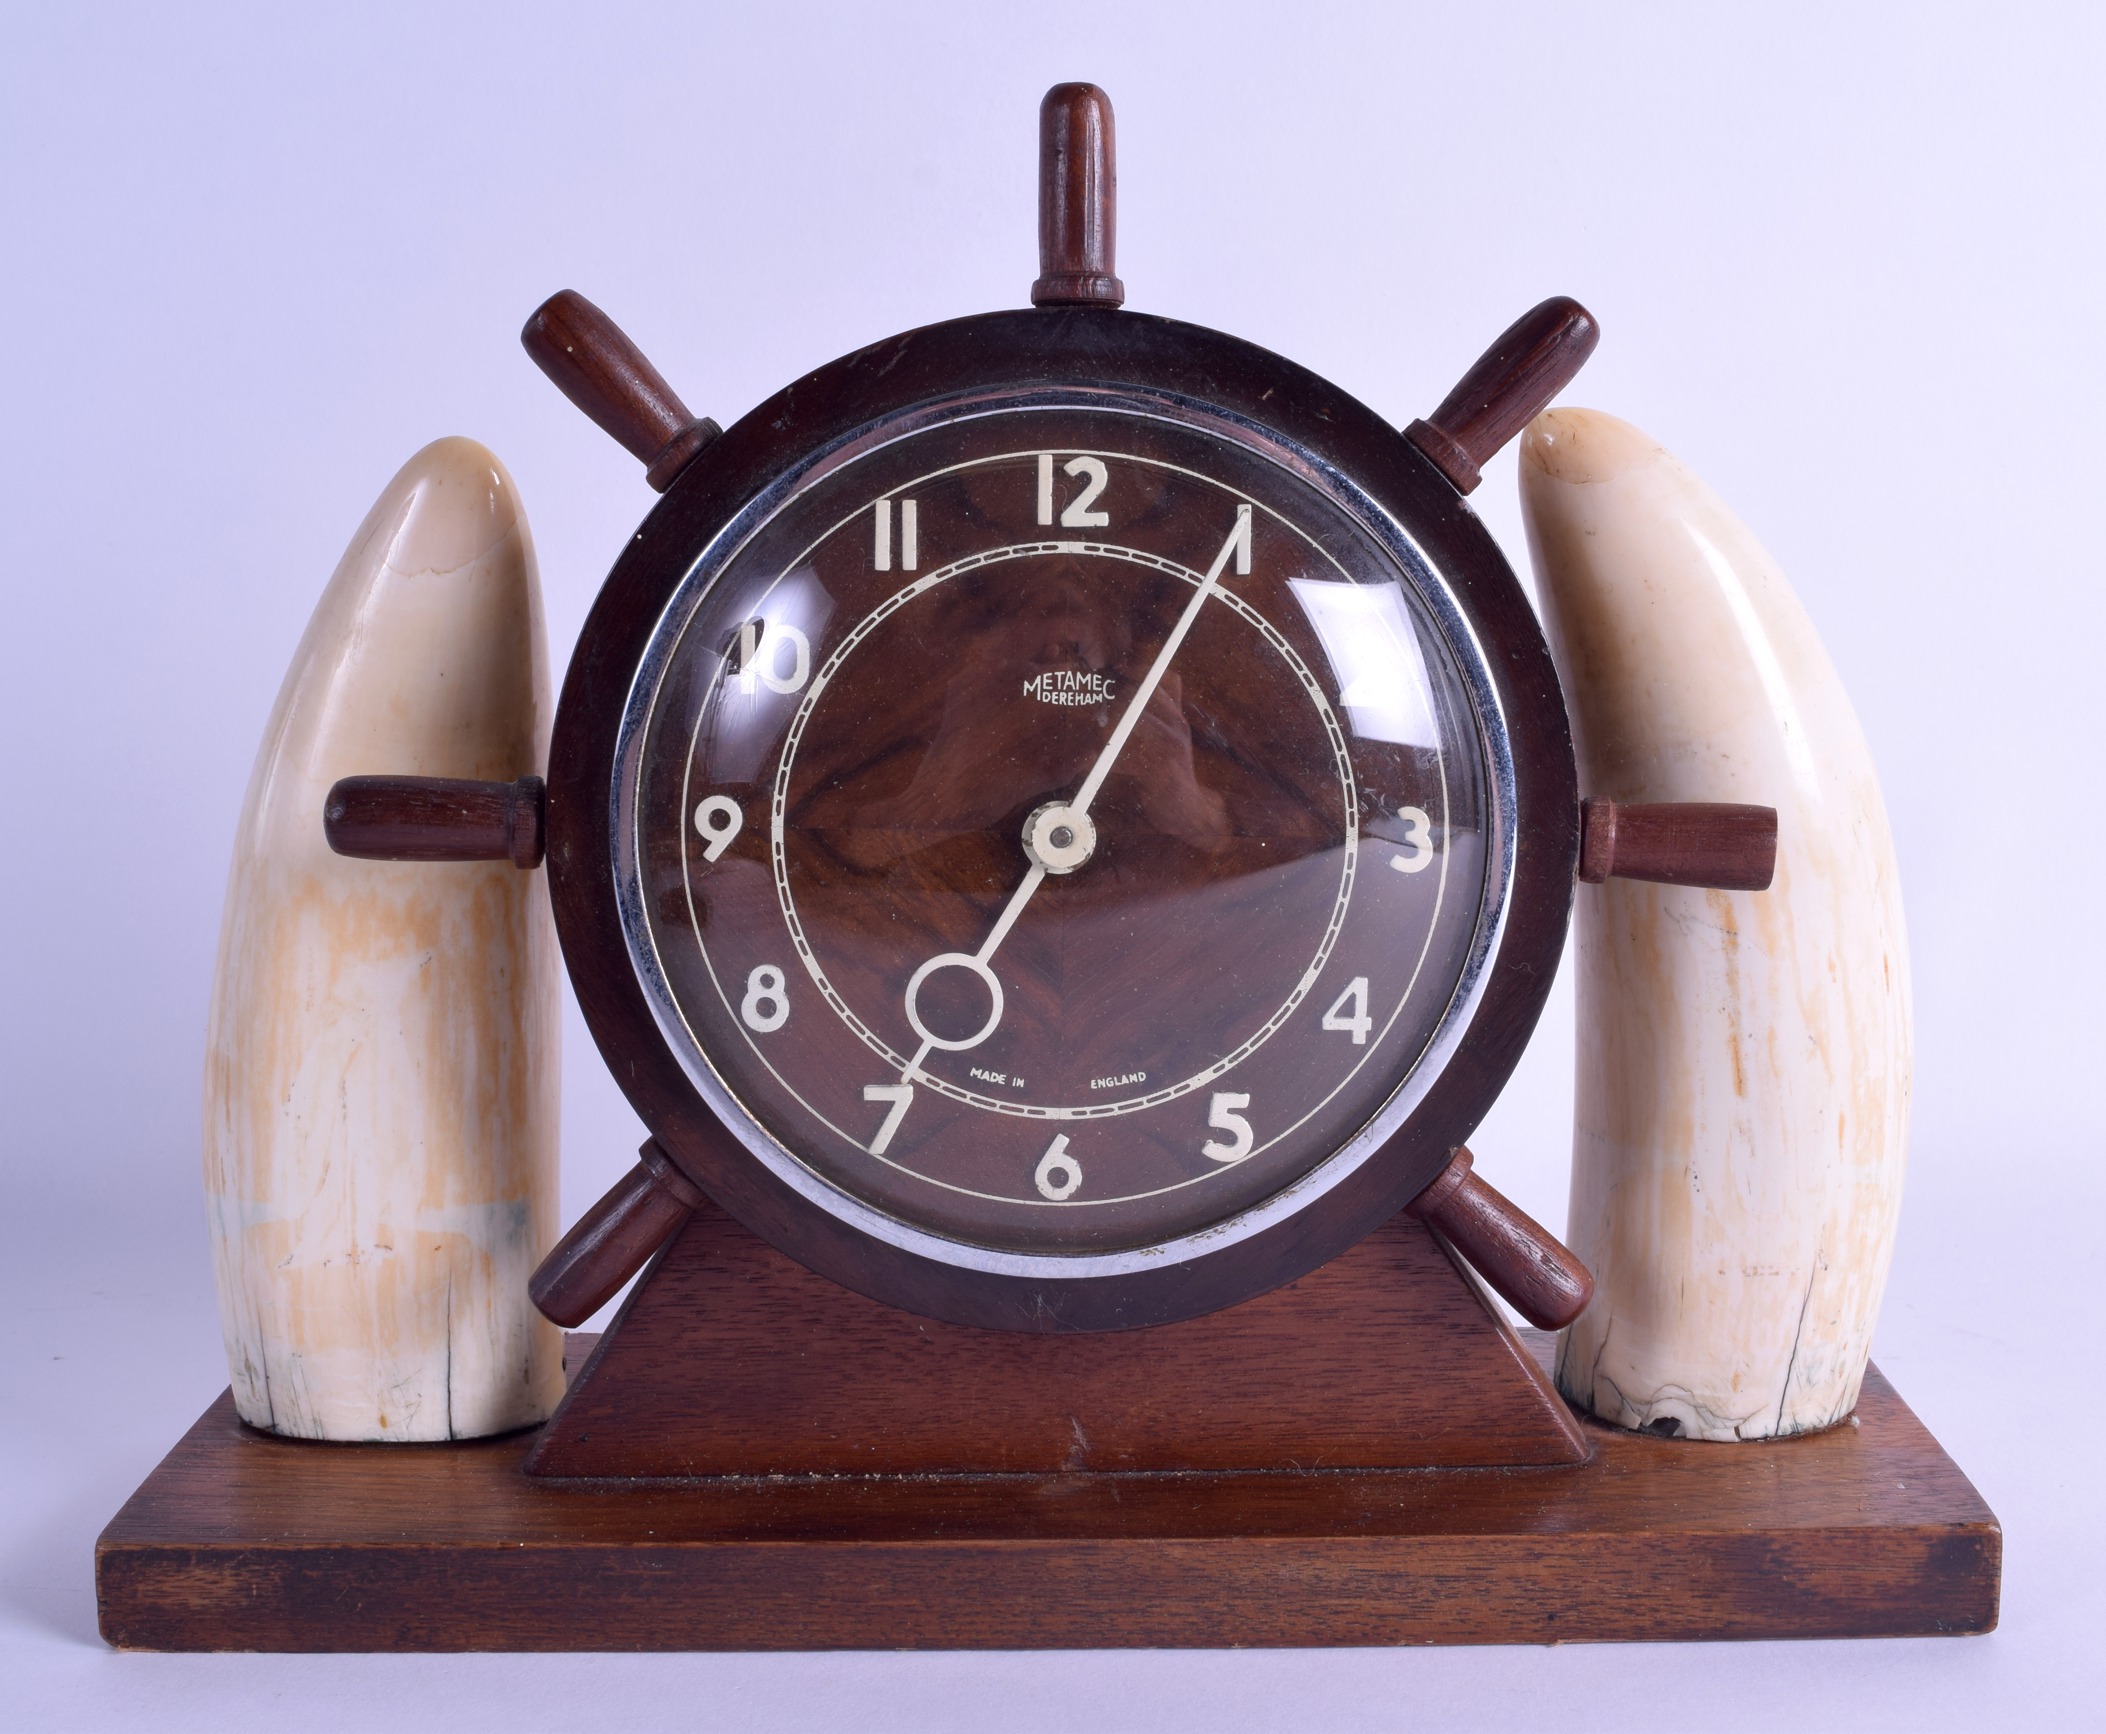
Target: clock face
1055,829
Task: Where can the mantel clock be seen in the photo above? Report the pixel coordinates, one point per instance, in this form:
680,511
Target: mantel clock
1061,820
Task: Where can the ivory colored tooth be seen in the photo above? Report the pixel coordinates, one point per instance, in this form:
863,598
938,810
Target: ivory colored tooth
381,1078
1743,1076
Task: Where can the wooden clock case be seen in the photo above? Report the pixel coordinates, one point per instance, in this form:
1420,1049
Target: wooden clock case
761,1455
1154,364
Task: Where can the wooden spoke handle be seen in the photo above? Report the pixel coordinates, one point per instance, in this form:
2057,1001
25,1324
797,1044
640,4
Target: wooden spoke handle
610,1242
1710,843
1078,204
1534,359
1544,1283
437,819
595,365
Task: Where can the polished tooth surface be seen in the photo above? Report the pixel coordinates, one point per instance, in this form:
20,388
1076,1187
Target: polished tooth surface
1744,1057
382,1068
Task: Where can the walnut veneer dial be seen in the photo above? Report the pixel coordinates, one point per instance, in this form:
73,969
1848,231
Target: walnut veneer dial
1058,828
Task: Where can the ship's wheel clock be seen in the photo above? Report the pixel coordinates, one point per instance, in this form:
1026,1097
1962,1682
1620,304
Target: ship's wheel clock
1060,821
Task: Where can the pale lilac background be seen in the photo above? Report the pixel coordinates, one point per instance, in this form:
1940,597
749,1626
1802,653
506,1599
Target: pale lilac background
1848,262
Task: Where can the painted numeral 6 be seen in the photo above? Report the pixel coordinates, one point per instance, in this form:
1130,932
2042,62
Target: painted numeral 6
1058,1174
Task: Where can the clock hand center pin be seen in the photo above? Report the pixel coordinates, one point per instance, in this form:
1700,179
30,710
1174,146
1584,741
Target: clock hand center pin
1061,836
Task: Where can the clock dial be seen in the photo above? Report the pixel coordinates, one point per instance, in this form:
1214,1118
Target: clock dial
1059,829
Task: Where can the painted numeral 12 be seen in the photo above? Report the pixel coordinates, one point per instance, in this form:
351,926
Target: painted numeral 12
1077,514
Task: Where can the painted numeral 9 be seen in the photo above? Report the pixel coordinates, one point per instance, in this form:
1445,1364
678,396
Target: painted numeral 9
719,818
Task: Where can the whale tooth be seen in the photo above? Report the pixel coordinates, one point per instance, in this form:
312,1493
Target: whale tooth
382,1060
1743,1068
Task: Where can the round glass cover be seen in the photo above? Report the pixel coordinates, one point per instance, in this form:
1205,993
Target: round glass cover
1059,829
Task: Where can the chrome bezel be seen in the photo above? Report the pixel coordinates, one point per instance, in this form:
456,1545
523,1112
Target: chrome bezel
1470,662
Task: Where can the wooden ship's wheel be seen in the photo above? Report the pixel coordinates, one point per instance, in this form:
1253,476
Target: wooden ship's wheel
1062,821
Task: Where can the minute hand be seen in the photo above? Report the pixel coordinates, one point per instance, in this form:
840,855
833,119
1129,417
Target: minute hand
1139,702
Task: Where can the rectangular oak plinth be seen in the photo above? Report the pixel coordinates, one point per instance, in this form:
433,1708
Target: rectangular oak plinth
240,1541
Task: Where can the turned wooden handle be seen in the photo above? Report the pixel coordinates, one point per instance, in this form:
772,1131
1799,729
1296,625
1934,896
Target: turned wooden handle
437,819
610,1242
1534,359
1709,843
595,365
1078,203
1544,1283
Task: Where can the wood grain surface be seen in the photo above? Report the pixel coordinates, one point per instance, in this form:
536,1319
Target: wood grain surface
731,1359
1078,188
240,1541
1719,844
1537,1276
595,365
611,1242
1529,363
387,818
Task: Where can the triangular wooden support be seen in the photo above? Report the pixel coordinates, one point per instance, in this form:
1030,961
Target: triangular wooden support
730,1358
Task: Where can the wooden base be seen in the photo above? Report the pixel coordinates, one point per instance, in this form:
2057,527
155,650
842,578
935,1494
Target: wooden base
240,1541
731,1359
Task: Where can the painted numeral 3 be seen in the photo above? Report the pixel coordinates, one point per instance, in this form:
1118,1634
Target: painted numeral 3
1418,838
